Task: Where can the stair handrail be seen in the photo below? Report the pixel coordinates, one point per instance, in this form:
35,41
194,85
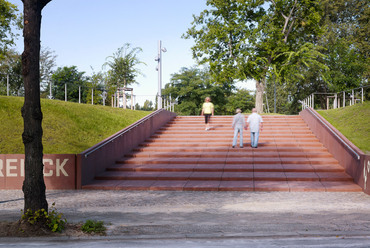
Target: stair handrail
336,135
119,134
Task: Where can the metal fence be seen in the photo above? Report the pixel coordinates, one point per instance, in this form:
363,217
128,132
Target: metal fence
122,98
336,100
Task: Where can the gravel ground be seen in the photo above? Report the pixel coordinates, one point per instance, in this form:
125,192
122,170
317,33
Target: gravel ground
175,214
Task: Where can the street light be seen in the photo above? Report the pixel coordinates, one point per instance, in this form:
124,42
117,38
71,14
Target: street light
159,69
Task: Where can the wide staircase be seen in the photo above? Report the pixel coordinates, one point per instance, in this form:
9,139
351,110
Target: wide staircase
183,156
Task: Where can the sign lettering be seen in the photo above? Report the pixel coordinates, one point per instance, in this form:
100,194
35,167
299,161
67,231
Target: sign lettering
13,167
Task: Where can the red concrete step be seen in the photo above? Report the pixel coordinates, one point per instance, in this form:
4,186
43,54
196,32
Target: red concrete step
183,156
207,185
225,176
232,167
260,150
220,154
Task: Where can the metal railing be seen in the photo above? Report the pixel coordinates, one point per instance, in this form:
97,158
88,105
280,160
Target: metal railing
168,103
337,100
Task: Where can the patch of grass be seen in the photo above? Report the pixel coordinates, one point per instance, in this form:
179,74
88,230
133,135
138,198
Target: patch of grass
353,122
93,226
67,127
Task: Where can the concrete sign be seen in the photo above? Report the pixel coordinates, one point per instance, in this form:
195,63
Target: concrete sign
59,171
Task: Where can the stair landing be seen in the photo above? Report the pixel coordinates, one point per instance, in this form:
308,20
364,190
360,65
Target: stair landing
183,156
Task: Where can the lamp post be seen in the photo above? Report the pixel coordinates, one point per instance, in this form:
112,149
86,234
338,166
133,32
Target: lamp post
159,69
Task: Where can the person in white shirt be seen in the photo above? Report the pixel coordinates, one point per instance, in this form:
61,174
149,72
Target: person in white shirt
238,125
255,124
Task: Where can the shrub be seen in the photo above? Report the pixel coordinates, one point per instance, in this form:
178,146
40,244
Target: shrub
52,220
92,226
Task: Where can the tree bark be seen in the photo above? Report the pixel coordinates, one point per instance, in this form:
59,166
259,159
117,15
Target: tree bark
260,88
33,184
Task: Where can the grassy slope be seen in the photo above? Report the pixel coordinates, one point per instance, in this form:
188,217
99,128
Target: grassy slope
68,127
353,122
72,128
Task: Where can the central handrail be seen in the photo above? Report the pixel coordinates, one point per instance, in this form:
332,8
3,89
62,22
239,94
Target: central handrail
117,135
344,142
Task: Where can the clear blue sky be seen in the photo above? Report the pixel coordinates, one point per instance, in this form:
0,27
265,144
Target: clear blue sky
84,33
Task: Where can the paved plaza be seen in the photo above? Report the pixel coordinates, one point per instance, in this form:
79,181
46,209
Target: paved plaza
206,219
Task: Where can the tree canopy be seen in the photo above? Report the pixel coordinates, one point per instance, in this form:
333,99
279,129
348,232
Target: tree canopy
243,39
74,79
347,43
8,19
123,66
190,86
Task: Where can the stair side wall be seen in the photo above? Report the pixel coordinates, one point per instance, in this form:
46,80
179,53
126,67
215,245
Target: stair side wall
97,158
358,168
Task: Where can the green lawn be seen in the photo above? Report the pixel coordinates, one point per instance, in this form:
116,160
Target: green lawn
68,127
72,128
353,122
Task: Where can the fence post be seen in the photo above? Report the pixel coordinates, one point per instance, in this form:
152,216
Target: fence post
344,99
307,103
362,95
7,84
338,102
65,92
335,101
313,101
124,98
327,103
353,97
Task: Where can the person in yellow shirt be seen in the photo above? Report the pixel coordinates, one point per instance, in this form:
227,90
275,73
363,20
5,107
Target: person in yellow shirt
207,111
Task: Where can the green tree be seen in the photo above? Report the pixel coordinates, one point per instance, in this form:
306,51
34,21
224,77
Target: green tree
76,84
137,106
94,88
347,28
47,65
8,18
148,105
244,39
12,69
241,99
191,86
279,95
122,65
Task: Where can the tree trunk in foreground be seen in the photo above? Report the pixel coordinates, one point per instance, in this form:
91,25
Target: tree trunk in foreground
33,185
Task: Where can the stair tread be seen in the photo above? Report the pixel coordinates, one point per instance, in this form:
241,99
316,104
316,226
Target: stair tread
181,155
